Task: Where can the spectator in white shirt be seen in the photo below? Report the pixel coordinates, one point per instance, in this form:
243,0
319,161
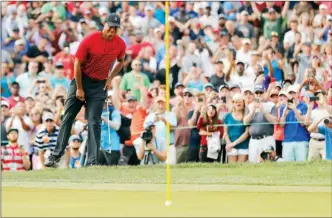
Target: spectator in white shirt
244,54
289,38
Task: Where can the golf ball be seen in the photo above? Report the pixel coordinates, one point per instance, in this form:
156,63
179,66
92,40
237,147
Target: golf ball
168,203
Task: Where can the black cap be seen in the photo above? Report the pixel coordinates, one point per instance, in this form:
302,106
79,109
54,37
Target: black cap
11,130
113,20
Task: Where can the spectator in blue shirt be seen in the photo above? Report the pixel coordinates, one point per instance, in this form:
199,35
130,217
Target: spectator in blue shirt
110,139
296,136
326,130
6,79
75,160
59,79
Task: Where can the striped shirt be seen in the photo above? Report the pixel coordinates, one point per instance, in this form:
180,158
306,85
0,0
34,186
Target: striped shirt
11,158
98,55
52,137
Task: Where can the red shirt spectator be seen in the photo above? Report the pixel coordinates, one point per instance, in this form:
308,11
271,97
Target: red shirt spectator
68,63
96,54
202,126
12,158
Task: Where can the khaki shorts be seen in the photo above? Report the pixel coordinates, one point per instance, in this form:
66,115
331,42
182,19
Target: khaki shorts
316,150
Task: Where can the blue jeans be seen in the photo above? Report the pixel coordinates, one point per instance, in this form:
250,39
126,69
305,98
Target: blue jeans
295,151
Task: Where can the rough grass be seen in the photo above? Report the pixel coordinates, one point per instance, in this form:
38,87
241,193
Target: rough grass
269,174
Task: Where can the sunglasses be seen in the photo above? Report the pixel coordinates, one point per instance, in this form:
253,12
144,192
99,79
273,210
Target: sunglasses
259,93
188,95
49,121
76,140
274,96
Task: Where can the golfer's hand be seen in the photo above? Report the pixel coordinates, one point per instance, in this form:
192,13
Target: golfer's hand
108,84
80,94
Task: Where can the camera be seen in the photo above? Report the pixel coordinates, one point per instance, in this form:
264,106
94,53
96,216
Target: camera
314,98
147,135
223,99
266,154
328,121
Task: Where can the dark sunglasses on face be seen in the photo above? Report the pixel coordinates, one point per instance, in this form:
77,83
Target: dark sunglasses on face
259,93
49,121
188,95
76,140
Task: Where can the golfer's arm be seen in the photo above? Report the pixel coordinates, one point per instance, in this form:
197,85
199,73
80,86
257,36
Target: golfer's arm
78,73
116,68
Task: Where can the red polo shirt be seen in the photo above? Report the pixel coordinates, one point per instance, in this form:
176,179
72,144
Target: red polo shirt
99,55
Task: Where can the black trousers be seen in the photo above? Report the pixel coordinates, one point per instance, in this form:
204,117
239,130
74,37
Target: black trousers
279,148
129,156
95,96
109,159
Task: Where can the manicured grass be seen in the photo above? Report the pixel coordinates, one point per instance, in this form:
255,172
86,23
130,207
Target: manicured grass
271,174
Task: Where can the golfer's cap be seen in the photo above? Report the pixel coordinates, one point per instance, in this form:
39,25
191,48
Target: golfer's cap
292,88
179,84
273,33
48,116
259,88
208,85
19,42
223,87
149,124
239,62
307,44
244,13
109,93
283,92
186,90
12,130
113,20
132,98
59,65
322,6
5,103
75,137
248,89
29,97
271,10
235,86
246,41
160,98
237,97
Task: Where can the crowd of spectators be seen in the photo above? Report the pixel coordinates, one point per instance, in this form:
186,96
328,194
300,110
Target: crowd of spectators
245,78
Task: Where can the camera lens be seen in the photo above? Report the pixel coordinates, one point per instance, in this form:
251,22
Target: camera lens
326,121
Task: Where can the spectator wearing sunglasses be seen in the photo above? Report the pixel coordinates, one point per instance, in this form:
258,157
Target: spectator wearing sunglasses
261,117
75,142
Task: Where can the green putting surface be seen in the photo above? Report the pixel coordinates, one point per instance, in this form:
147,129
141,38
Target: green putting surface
201,190
42,202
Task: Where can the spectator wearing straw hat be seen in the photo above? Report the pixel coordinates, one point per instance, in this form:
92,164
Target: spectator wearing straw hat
296,137
261,117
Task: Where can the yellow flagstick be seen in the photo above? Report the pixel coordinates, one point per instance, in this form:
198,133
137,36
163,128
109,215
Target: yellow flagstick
168,168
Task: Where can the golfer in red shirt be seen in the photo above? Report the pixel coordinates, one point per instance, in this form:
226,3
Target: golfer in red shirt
98,60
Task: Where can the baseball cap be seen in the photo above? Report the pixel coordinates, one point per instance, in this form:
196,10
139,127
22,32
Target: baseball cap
234,86
132,98
274,93
75,137
59,65
208,85
278,84
103,10
5,103
213,105
237,97
48,116
246,41
223,86
11,130
179,84
244,13
248,89
292,88
307,44
19,42
273,33
29,97
161,98
113,20
239,62
283,92
259,88
322,6
149,124
219,62
222,16
186,90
